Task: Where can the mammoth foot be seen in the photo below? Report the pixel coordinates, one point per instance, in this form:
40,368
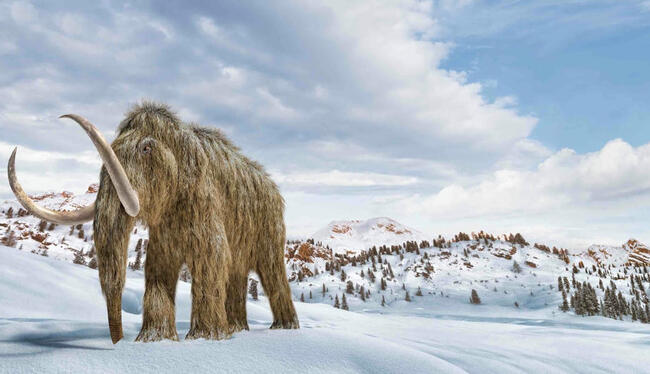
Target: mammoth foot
147,335
288,324
238,326
208,334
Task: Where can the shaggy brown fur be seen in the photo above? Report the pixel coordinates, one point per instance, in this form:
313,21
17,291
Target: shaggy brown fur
206,205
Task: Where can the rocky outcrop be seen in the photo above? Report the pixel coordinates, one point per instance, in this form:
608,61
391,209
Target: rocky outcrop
639,253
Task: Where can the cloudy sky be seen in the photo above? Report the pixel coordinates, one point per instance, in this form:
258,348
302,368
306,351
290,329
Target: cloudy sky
506,116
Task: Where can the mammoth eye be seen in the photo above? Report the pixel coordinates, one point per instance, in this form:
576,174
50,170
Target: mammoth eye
146,148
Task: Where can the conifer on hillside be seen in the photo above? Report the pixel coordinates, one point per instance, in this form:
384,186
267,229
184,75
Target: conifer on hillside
474,299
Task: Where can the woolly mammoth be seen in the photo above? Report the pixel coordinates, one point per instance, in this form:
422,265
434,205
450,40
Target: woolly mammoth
205,204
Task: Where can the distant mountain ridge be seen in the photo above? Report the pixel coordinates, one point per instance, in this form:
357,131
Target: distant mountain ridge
342,236
356,235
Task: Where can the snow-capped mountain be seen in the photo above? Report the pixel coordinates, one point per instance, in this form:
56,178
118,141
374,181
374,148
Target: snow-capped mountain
638,253
631,252
356,235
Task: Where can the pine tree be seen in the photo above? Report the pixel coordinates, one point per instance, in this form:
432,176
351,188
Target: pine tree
593,306
310,296
418,292
324,289
302,297
383,301
565,304
516,268
610,304
407,297
137,264
344,303
362,293
343,276
622,305
252,289
9,239
474,299
371,276
560,286
349,288
336,301
79,258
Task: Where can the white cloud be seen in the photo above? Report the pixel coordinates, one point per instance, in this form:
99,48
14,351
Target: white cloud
568,199
618,171
22,12
337,178
645,5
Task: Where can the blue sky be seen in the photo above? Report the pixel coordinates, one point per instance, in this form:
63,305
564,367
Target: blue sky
580,66
510,116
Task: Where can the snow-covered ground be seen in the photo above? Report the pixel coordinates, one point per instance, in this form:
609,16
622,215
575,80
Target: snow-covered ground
52,319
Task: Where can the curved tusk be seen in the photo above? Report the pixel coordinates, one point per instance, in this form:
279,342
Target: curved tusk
128,196
81,215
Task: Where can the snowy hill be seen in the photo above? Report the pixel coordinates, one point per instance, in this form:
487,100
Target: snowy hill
68,243
357,235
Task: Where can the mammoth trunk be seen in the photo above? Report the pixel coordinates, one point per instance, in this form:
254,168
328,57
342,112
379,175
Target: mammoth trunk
112,229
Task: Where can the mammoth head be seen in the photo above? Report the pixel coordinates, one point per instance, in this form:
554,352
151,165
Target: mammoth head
140,163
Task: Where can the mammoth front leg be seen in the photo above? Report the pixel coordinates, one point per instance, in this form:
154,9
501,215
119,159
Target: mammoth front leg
209,267
161,270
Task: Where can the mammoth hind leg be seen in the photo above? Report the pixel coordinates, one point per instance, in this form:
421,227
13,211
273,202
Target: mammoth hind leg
236,302
276,286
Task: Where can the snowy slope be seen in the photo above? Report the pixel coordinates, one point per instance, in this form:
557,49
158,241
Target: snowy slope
357,235
52,320
56,241
445,277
